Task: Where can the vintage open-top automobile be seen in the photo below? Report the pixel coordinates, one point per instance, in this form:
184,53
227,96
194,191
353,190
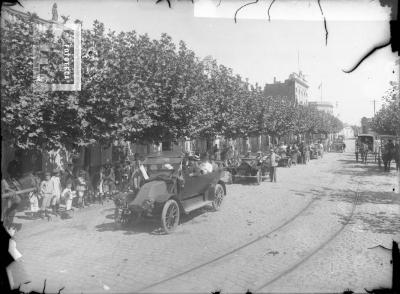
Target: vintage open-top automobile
250,167
175,186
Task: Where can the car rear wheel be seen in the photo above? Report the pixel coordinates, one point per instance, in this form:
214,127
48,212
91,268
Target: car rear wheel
170,216
218,197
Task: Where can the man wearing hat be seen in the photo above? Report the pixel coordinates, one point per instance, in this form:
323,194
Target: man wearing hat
205,165
136,175
274,158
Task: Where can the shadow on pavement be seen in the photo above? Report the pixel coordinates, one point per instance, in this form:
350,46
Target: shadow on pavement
149,225
365,197
364,170
247,182
379,222
383,223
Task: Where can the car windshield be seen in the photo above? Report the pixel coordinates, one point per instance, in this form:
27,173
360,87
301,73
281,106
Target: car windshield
162,163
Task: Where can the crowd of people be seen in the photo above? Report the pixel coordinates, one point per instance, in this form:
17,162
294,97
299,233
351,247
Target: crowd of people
58,192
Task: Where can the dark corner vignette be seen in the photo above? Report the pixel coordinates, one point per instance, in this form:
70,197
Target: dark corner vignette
6,258
394,34
394,31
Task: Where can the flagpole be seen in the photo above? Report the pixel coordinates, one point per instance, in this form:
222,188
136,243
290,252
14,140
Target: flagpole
298,61
321,91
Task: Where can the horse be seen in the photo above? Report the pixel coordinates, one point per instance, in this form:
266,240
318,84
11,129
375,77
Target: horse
364,154
387,156
397,157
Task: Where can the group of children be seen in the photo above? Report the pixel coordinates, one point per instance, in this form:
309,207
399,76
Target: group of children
50,194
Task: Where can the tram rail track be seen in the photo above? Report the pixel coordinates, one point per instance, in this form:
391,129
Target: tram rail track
316,250
241,247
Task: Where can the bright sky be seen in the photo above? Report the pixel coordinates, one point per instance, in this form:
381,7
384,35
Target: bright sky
261,50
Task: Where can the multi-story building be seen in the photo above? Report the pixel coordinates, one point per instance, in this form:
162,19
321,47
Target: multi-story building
295,88
41,24
347,132
322,105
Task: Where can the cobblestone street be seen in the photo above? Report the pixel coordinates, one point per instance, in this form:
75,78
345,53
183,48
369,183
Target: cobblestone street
310,231
200,147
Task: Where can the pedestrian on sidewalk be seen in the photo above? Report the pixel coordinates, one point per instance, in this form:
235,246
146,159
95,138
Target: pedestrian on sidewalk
68,195
55,203
81,188
274,158
102,186
46,194
34,195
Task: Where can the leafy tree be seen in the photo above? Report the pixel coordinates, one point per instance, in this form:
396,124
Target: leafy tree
387,119
137,89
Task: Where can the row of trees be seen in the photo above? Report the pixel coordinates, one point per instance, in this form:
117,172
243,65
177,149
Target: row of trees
387,119
138,89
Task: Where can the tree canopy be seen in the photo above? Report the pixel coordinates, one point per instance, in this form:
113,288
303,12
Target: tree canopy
387,119
138,89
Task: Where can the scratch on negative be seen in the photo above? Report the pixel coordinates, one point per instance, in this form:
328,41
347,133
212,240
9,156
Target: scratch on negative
326,28
269,7
243,6
367,55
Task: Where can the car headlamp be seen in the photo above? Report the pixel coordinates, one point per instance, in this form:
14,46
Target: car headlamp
148,204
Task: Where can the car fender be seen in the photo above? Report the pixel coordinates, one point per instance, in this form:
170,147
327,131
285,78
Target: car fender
155,190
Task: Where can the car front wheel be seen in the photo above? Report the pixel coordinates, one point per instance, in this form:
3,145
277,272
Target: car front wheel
170,216
218,197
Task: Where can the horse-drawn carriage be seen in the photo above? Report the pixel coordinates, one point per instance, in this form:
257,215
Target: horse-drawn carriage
366,145
285,161
315,151
337,145
249,167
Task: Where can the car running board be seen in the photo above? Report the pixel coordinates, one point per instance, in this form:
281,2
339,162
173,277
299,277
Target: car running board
189,207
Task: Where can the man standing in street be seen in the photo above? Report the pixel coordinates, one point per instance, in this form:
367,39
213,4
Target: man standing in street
274,158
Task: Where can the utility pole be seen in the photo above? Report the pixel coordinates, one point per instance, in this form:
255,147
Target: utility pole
374,101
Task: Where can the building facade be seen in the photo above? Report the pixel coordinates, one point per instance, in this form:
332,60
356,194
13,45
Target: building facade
322,105
295,88
347,132
13,16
